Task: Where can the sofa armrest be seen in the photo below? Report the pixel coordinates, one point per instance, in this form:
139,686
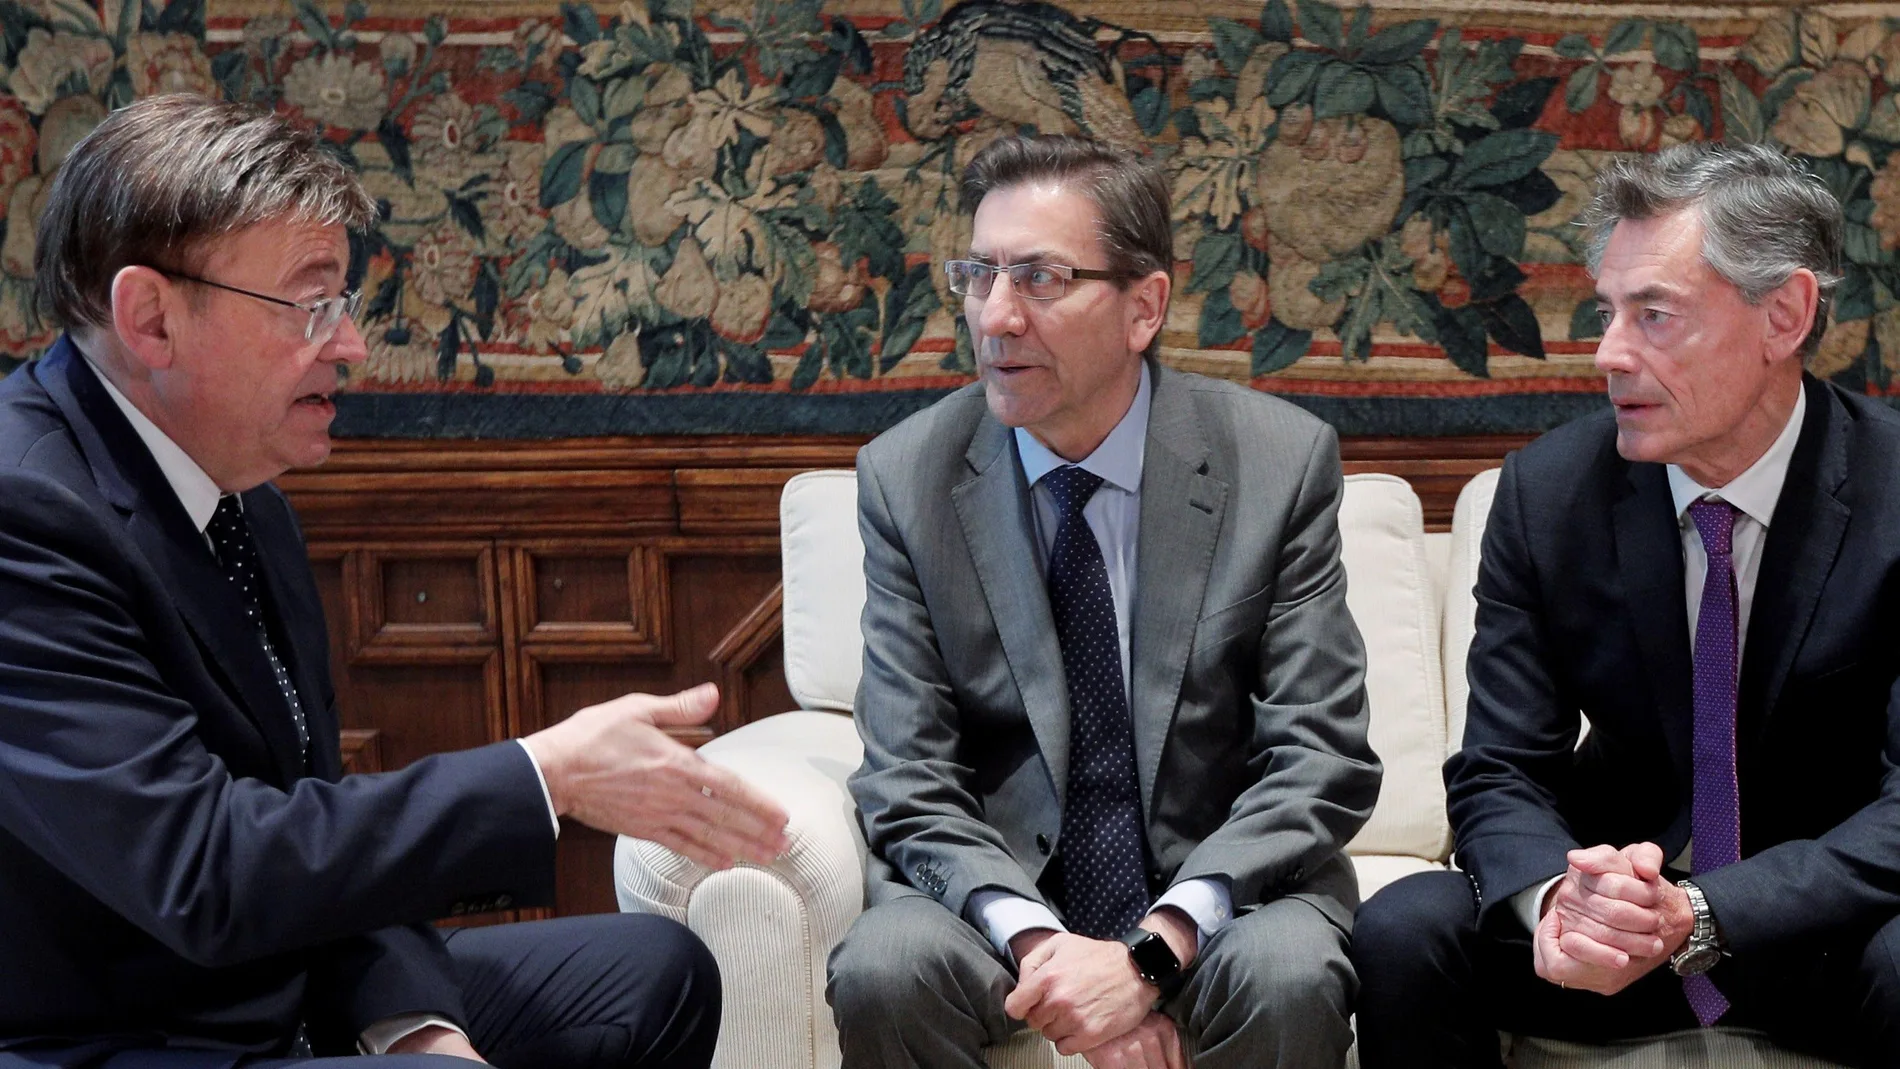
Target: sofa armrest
770,927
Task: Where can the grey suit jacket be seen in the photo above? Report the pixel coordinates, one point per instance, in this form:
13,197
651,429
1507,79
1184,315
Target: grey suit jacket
1247,673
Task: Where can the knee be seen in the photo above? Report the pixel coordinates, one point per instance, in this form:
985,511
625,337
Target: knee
1409,922
1291,971
682,960
892,958
1880,968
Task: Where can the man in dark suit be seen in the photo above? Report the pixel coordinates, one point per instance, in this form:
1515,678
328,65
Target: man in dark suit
1708,574
1112,702
185,878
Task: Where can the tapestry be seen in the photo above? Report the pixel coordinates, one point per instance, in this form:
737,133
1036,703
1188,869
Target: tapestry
730,216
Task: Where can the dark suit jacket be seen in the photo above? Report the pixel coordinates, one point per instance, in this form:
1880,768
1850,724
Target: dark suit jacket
1581,610
167,873
1246,672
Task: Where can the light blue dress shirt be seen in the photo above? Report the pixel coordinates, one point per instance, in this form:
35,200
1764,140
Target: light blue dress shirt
1114,514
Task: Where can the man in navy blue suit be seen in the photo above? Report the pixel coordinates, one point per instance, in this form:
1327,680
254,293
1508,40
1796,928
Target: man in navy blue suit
185,878
1707,571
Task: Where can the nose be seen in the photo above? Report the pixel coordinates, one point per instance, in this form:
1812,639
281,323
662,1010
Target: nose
1615,354
1001,313
347,346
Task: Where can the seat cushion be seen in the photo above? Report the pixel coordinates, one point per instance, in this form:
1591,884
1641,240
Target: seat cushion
1461,608
1390,593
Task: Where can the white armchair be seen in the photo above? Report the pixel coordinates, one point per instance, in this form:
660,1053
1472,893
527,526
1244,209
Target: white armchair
772,928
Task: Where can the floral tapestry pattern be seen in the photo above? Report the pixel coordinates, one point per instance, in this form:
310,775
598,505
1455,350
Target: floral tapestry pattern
722,216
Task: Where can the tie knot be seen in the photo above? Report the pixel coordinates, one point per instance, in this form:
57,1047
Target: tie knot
1072,487
1715,522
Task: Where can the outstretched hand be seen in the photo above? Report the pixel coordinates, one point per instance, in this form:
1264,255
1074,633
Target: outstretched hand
613,767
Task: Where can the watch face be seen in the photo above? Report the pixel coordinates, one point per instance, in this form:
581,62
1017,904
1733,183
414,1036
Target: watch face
1696,960
1153,959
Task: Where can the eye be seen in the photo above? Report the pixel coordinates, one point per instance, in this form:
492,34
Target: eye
1655,317
1042,275
1603,316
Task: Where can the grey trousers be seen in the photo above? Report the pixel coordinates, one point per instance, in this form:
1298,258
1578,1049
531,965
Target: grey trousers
912,984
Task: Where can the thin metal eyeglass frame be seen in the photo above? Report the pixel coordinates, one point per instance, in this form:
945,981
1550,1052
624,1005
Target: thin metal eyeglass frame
1015,284
351,301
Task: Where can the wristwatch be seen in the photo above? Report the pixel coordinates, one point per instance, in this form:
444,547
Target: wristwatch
1154,960
1703,948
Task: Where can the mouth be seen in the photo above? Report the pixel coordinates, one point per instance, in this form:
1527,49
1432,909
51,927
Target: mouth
322,402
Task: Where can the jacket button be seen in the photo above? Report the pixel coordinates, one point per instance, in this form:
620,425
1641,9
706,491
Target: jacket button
1042,844
1299,873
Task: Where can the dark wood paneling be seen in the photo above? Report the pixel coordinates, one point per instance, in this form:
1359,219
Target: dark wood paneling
478,591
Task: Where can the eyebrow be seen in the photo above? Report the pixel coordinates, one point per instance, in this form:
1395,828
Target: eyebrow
316,273
1647,293
1033,256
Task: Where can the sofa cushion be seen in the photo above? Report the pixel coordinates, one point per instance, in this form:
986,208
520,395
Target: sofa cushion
1461,608
1390,593
824,588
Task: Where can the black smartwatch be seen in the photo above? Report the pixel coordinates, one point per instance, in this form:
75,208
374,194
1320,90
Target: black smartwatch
1154,960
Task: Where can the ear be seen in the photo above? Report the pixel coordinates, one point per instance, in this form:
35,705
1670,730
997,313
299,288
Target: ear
1790,310
1148,308
144,307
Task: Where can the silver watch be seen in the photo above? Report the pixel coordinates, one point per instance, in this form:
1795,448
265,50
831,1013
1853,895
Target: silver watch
1703,950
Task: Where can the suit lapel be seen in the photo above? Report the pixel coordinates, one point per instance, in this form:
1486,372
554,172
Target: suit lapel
1181,512
1809,524
174,548
994,509
1649,556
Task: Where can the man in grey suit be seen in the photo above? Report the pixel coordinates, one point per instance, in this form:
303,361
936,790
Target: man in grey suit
1112,703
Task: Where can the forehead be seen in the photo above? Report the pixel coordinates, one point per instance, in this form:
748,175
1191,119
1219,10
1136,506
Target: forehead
1036,218
281,250
1662,248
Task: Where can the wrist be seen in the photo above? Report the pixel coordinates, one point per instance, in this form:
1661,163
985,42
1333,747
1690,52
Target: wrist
546,756
1182,934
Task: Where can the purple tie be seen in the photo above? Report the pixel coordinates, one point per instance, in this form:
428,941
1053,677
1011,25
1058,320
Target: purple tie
1715,812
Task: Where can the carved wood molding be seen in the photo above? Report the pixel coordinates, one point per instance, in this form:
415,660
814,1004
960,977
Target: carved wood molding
362,750
717,485
740,648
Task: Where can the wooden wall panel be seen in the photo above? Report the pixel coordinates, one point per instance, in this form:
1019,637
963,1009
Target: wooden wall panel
478,591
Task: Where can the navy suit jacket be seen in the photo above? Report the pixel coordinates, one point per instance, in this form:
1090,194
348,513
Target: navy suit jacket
169,874
1581,610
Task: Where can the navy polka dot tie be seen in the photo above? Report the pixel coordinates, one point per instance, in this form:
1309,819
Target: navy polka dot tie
1103,874
1715,806
230,535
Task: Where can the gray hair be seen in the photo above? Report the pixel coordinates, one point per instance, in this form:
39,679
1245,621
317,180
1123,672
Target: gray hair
1763,216
160,177
1129,192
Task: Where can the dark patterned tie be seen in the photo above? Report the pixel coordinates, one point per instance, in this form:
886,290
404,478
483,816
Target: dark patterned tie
1715,811
230,535
1103,874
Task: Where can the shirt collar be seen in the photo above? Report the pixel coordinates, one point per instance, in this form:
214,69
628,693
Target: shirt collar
1756,490
196,491
1117,460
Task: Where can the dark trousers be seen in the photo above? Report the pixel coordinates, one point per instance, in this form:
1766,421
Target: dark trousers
1436,991
614,991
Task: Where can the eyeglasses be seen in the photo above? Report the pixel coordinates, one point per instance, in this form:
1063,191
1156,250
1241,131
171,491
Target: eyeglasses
325,313
1037,282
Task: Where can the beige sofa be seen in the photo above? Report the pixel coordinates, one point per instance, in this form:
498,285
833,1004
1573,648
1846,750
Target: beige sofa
772,928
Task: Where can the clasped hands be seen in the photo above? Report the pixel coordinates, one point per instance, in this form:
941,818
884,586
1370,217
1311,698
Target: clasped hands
1084,995
1611,919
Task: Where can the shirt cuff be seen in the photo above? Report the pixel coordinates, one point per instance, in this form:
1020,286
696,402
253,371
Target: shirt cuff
1006,916
1528,903
1208,902
386,1033
553,818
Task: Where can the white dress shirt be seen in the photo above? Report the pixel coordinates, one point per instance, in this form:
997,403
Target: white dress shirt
1114,515
1753,493
199,494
